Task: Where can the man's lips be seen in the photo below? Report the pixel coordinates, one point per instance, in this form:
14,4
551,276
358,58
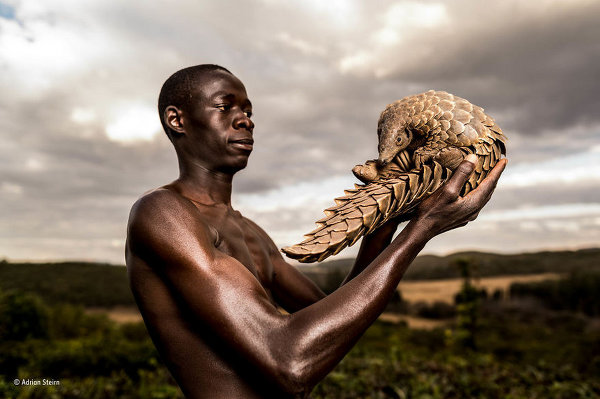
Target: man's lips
244,144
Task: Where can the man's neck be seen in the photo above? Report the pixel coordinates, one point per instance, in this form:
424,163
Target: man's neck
204,186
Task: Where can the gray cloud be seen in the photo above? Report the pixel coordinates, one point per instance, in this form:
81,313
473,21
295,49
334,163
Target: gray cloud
538,69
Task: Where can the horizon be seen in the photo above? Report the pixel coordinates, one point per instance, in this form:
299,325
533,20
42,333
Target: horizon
302,265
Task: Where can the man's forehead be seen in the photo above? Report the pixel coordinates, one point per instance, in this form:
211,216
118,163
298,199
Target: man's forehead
217,82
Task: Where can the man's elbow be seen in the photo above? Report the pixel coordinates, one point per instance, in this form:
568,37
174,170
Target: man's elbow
295,378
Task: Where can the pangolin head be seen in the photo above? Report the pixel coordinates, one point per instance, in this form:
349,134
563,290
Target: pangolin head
394,135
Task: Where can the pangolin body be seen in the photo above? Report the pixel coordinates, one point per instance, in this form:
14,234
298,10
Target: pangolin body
422,139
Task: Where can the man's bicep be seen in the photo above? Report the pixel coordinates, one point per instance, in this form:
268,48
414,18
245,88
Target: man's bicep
220,292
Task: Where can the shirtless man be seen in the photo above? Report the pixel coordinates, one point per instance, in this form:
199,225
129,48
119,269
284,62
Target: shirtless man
210,283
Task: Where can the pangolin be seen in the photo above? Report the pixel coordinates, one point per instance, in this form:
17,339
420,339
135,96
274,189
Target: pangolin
422,139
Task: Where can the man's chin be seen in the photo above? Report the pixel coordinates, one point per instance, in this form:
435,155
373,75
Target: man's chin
239,163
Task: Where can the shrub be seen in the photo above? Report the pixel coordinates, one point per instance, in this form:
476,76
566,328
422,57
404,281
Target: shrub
22,316
578,292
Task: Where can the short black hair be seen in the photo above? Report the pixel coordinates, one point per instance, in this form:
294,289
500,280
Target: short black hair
177,90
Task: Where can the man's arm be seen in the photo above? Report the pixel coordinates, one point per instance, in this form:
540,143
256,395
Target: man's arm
293,351
294,291
291,288
371,246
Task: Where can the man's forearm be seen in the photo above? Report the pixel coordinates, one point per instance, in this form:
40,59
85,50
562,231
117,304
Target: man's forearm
370,247
325,331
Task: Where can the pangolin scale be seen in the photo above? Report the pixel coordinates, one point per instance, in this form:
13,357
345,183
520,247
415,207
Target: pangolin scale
422,139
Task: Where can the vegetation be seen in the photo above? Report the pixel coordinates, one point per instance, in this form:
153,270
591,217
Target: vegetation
578,292
521,353
85,284
544,342
396,362
89,355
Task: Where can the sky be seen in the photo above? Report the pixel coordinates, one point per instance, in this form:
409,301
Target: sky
80,137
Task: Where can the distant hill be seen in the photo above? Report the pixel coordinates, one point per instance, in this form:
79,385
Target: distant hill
104,285
431,267
86,284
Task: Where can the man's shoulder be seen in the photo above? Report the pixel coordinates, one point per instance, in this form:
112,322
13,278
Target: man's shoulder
163,220
161,208
160,197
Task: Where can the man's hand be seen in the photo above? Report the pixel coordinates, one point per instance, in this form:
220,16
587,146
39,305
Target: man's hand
445,209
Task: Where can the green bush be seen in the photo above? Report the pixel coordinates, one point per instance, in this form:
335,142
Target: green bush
22,316
90,355
578,292
436,310
78,283
70,321
396,362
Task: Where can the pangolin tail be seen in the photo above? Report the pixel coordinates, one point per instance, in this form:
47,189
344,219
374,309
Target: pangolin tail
365,208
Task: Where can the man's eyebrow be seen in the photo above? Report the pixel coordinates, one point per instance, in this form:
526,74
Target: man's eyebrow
230,96
223,94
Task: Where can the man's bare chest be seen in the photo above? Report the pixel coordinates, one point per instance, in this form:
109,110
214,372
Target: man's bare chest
241,240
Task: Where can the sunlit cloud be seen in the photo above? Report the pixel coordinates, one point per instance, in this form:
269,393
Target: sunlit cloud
407,16
303,46
340,12
11,188
563,211
83,115
34,164
581,167
133,122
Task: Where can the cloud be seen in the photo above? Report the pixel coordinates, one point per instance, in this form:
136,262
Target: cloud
133,122
80,139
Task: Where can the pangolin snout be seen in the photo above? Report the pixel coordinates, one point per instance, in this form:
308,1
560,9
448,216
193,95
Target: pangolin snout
391,143
385,158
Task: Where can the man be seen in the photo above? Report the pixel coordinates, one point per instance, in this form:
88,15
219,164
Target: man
209,282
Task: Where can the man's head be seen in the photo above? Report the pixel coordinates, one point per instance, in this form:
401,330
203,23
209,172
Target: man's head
205,112
178,88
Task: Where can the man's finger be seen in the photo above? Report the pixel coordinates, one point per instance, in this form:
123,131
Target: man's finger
487,186
461,175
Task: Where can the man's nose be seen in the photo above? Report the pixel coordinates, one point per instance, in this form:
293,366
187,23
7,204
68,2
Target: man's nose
242,121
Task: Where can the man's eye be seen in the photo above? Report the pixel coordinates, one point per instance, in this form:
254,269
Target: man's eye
223,107
248,113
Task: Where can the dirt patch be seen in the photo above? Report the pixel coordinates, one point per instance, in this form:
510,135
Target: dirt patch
444,290
119,314
414,322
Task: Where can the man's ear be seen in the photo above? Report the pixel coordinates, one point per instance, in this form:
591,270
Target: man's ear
174,120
